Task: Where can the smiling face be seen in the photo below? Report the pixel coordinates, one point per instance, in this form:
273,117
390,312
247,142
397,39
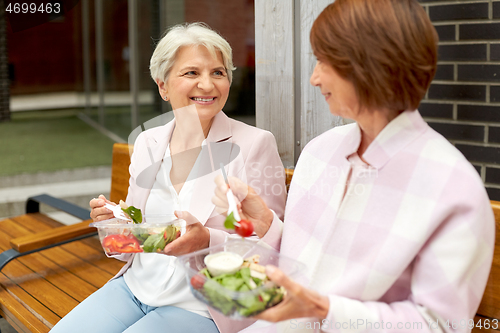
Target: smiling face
197,79
339,93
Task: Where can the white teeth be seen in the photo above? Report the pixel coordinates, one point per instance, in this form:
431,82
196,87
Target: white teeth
203,99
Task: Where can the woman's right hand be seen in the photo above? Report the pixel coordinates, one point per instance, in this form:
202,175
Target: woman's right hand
99,212
250,205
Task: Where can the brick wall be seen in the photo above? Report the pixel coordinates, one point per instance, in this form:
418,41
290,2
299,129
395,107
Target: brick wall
463,101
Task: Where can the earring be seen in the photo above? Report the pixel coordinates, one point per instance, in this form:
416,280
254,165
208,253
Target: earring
165,98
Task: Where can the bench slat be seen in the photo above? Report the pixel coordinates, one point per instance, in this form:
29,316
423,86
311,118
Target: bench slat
119,172
36,222
73,285
76,248
59,262
96,255
485,330
31,291
51,236
19,317
37,289
78,266
49,283
112,266
490,303
45,287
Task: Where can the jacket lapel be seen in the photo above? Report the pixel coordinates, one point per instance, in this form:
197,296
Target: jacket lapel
219,148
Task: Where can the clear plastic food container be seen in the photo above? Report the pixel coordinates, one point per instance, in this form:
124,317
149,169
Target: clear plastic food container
234,299
151,236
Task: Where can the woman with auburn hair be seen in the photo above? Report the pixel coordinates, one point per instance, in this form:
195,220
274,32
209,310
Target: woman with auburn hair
393,223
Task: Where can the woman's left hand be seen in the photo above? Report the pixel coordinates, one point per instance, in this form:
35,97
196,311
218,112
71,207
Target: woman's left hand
298,302
197,237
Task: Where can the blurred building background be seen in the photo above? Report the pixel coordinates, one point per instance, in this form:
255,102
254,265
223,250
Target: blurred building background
79,82
96,57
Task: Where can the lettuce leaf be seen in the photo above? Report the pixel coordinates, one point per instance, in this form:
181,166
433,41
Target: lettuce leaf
247,305
134,213
229,221
154,243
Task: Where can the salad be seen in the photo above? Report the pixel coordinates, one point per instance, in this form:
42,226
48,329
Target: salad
254,289
141,239
133,236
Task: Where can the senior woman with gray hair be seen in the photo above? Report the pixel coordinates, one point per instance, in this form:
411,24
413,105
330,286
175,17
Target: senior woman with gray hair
192,67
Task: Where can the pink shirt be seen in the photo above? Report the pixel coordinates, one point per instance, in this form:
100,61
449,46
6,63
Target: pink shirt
410,243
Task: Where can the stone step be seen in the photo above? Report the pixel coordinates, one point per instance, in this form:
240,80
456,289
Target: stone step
59,190
55,177
19,207
77,186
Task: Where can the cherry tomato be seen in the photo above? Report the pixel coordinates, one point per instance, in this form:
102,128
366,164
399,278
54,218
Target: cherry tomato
121,244
197,281
244,229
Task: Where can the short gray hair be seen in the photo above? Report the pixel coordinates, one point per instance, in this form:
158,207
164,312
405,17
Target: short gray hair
187,34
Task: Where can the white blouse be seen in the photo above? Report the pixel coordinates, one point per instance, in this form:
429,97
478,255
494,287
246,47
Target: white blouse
154,278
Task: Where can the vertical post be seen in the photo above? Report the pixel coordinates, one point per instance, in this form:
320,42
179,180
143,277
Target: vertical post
4,68
274,73
162,9
134,77
164,106
297,86
172,12
86,55
315,116
99,57
157,28
286,103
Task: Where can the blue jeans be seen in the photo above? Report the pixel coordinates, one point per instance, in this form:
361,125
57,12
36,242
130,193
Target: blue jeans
114,309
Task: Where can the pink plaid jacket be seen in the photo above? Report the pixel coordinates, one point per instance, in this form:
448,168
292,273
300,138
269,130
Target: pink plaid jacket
410,246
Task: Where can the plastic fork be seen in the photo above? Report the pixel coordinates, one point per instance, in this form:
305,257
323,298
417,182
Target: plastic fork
117,211
230,197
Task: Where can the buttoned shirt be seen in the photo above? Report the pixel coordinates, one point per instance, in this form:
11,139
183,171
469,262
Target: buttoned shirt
154,278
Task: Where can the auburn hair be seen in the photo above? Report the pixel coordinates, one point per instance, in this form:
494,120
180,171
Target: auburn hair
386,48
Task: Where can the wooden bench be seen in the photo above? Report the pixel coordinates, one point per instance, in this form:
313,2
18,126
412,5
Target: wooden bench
48,268
37,289
489,309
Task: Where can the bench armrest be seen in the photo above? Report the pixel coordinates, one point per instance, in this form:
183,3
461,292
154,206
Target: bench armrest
46,239
52,237
49,238
33,206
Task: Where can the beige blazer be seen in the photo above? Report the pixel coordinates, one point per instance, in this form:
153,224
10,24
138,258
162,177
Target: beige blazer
247,152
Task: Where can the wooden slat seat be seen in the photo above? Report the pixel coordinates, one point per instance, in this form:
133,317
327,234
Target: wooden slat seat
49,283
38,289
489,309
